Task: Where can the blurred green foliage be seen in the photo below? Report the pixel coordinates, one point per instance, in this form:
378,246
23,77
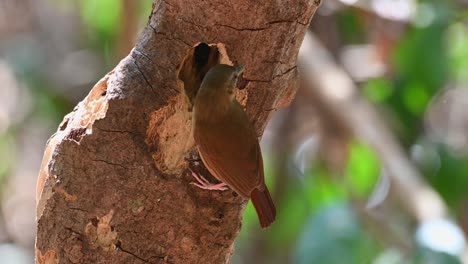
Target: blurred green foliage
419,76
457,40
363,169
7,156
317,221
451,180
103,25
377,90
334,228
424,255
321,224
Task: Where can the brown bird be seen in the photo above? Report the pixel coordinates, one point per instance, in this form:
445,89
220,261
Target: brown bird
227,142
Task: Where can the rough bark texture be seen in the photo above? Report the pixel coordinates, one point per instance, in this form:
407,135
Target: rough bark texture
114,187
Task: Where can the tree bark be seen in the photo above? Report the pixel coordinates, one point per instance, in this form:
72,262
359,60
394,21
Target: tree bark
114,185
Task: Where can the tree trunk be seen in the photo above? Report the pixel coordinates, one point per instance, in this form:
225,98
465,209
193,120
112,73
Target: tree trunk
114,185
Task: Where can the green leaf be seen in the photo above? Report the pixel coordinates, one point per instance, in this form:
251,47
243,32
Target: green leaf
416,97
321,189
103,15
362,170
377,90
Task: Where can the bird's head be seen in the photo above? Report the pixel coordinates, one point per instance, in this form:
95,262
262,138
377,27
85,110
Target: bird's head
221,78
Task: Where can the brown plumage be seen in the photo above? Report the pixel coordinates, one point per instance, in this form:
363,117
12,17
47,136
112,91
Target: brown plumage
227,142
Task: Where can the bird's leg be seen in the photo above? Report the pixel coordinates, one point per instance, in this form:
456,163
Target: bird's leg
205,184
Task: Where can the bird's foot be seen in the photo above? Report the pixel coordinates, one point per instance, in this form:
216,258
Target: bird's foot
205,184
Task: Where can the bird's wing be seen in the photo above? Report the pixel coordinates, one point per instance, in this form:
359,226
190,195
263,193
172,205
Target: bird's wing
232,154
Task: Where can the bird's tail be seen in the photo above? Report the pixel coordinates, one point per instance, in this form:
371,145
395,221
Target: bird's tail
264,206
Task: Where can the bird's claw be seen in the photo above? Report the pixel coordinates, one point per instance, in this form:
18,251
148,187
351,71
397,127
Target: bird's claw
205,184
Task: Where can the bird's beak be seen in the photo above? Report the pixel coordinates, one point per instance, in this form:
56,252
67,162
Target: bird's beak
239,69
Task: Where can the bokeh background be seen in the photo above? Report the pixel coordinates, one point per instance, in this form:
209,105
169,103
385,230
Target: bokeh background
387,129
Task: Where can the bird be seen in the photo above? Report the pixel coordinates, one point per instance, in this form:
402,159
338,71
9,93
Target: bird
227,142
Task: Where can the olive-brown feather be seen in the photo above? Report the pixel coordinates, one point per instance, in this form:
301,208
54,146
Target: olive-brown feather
227,141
